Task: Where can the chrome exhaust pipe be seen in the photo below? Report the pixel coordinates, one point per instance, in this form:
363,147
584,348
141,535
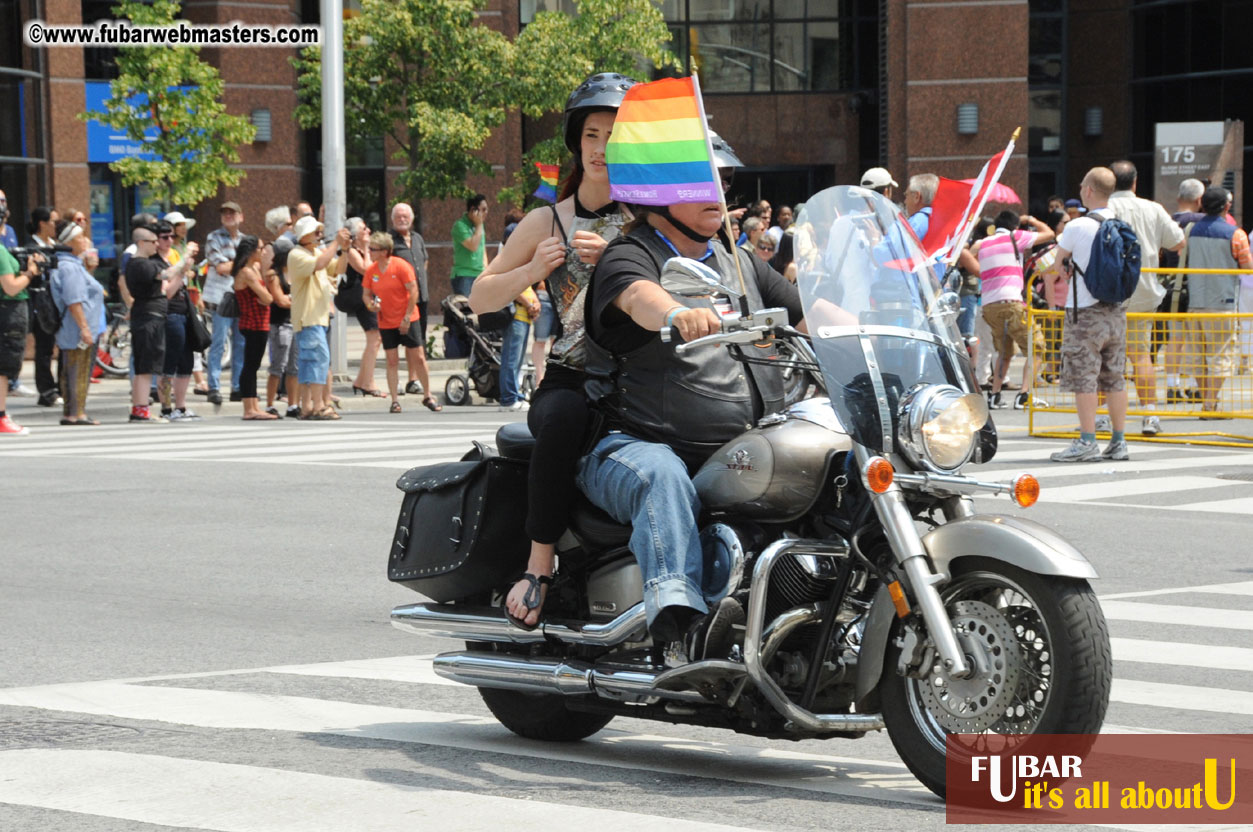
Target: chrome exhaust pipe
489,624
530,675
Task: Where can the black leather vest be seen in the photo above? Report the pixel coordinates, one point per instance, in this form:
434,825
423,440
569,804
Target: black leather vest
695,401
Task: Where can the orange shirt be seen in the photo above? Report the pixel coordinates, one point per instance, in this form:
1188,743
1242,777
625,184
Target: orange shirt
392,289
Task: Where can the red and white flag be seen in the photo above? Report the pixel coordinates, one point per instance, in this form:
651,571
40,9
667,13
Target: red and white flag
958,205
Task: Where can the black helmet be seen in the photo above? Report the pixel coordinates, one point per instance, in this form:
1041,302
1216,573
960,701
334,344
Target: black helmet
602,91
724,154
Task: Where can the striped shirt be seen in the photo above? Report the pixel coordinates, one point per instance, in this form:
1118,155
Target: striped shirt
999,268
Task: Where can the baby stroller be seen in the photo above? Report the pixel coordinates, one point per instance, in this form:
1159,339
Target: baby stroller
483,336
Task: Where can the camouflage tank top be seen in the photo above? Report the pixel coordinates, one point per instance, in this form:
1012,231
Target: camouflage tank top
567,284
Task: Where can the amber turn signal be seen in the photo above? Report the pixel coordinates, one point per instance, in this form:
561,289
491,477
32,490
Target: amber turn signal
898,598
879,474
1026,490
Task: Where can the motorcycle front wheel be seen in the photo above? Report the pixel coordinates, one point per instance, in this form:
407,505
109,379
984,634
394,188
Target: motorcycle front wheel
1048,666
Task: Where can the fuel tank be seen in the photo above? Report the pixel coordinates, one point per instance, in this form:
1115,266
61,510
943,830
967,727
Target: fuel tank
774,471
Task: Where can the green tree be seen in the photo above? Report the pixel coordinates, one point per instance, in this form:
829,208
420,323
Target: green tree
557,51
426,74
196,140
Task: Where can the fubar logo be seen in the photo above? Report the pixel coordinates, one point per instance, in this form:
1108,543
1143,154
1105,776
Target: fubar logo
1107,778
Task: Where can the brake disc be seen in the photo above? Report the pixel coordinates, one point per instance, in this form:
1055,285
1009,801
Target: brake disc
972,705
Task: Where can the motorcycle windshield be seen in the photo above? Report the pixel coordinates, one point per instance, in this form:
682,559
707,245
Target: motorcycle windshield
880,321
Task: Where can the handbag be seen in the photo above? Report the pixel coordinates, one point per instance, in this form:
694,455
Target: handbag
462,528
198,336
348,299
228,307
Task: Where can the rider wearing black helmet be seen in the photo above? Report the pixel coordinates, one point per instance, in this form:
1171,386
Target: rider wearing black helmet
559,244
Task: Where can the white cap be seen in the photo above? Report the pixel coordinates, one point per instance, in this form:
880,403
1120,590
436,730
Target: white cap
174,218
305,226
877,178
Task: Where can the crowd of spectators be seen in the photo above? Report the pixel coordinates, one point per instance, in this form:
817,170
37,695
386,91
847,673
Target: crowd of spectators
274,294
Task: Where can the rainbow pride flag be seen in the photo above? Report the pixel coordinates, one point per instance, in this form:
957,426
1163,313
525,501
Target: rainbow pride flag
659,153
547,189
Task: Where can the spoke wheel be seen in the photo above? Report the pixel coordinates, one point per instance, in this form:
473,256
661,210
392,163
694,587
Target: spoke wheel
1039,649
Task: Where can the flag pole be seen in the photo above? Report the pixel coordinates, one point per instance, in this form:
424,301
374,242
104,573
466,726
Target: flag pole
722,197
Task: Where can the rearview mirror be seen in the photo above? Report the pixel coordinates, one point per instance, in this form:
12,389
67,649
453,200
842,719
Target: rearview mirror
690,278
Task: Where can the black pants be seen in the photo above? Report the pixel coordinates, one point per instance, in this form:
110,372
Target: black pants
558,418
254,349
45,381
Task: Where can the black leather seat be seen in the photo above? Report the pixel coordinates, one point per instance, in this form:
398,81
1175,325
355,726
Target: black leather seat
594,528
514,441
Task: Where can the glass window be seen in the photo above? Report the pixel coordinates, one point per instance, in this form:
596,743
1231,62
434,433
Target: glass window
731,57
1045,118
529,8
745,10
19,131
806,56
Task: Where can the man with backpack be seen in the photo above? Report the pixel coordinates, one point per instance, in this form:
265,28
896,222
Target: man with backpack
1105,262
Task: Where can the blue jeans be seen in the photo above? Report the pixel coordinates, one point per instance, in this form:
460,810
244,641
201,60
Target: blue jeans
646,485
511,349
461,285
966,317
221,326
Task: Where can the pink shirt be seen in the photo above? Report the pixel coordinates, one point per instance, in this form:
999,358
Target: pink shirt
999,268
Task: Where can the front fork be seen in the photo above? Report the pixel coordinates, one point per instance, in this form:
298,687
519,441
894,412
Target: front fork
902,535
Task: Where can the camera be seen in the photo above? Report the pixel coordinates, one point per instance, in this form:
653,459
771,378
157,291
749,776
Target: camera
22,256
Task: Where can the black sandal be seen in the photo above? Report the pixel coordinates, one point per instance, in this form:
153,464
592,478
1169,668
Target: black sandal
533,599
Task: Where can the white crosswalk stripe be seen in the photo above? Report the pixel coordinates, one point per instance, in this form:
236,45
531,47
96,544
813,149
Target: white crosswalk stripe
177,790
1153,474
359,445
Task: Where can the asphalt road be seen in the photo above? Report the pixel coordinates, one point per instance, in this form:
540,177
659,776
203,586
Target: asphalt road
196,636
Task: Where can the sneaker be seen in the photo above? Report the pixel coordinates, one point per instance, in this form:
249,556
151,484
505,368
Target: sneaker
1024,399
144,416
1116,451
50,401
1175,396
1151,426
8,427
214,396
22,391
711,636
236,396
185,414
1103,424
995,402
414,387
273,411
1079,451
293,412
516,407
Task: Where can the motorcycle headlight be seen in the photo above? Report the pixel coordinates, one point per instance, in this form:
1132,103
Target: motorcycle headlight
939,426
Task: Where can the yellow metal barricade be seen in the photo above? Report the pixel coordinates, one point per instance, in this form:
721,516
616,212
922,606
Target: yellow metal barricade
1192,370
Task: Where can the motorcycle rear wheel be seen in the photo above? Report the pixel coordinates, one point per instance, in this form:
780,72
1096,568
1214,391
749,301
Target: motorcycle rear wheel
541,716
1062,687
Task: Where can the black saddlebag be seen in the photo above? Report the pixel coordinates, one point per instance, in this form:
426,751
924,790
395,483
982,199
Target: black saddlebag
462,528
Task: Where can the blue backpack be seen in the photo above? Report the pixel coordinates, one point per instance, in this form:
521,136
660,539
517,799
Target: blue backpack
1114,265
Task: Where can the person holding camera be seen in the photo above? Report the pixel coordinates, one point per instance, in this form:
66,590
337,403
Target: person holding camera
79,298
42,228
15,278
151,287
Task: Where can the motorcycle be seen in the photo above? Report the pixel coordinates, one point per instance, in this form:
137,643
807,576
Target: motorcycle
877,597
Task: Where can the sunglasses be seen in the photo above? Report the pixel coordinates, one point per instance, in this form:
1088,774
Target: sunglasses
165,236
764,247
